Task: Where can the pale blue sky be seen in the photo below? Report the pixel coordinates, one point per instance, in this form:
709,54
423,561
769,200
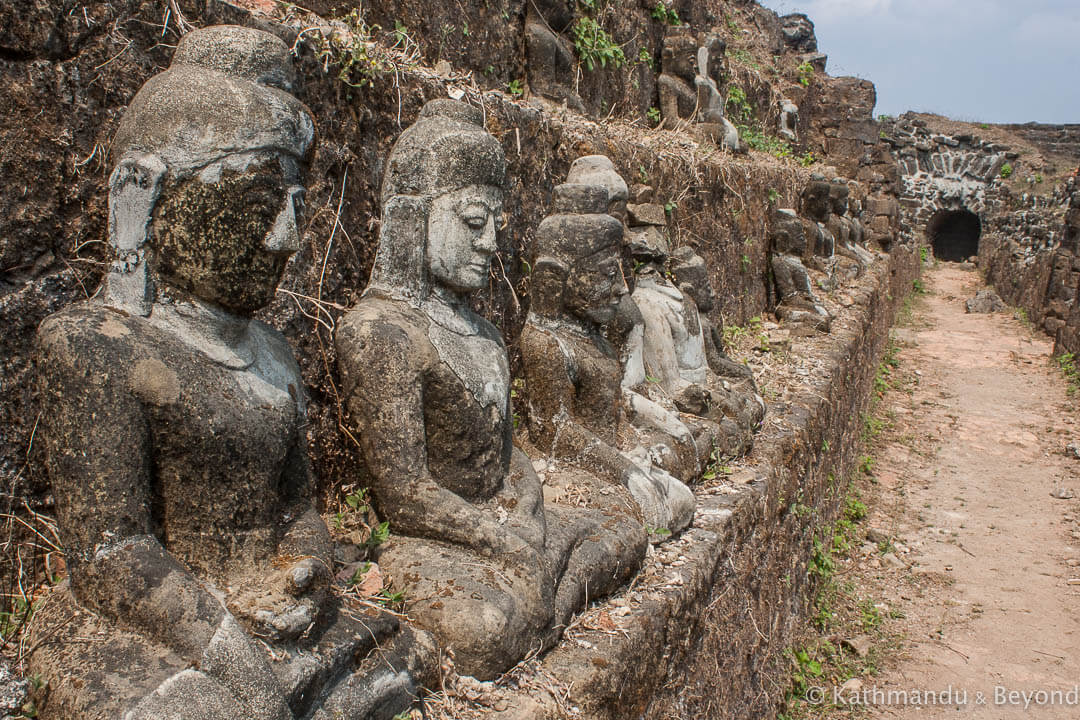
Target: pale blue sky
1002,61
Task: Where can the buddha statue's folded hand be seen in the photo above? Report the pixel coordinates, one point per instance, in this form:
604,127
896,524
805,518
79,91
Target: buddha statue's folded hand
283,605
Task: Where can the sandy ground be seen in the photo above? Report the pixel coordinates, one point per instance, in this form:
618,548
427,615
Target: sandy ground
983,564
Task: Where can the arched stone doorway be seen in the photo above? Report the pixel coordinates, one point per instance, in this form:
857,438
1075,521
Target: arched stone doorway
954,234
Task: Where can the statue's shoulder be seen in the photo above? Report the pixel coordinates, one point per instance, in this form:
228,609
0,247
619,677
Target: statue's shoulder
383,325
88,334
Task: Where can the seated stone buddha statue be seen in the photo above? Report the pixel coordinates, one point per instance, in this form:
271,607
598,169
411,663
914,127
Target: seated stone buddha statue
573,374
199,569
488,566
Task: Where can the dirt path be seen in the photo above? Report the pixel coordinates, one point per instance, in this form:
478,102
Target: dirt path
991,588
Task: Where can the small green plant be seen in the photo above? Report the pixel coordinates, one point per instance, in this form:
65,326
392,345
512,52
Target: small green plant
744,263
358,576
917,287
594,45
774,196
867,465
1021,315
1038,178
855,510
1006,170
806,74
357,501
671,206
743,58
871,616
885,118
822,564
808,159
665,14
644,56
401,32
465,28
353,52
379,534
660,532
924,254
1067,363
654,115
739,104
716,467
515,88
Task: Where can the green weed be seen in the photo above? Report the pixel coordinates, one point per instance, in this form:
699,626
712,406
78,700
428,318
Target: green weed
665,14
594,45
1067,363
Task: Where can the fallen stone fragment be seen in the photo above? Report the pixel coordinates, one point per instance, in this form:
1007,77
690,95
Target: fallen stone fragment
860,644
1062,493
985,301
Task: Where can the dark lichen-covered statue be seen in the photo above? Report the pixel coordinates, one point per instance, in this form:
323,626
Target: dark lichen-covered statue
174,430
689,86
573,374
489,567
789,246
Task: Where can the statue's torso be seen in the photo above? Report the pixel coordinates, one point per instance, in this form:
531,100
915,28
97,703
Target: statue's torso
217,440
683,326
594,369
463,384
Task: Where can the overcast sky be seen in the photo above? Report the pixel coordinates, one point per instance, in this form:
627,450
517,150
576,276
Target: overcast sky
1001,61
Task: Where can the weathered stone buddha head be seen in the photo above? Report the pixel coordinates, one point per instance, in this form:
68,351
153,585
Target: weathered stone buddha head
679,56
442,204
788,235
599,170
816,202
693,277
207,178
577,269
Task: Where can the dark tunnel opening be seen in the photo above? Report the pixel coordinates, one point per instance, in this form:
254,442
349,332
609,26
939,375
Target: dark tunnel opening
954,234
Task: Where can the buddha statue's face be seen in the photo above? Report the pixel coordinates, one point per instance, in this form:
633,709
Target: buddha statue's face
461,236
594,286
226,234
680,57
816,201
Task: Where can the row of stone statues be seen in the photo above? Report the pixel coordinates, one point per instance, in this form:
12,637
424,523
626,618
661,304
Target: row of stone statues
200,574
693,68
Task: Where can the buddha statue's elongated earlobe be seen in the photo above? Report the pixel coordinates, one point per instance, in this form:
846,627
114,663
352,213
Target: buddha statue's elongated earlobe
400,265
134,187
